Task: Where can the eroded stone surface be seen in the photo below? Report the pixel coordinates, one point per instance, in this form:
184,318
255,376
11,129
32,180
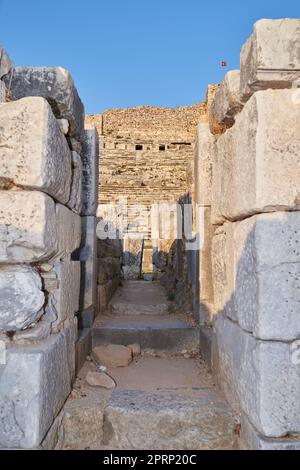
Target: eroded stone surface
56,85
165,421
28,229
271,56
21,297
254,163
82,423
34,154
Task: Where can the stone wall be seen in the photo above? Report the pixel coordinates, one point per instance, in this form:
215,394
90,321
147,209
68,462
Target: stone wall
48,200
247,184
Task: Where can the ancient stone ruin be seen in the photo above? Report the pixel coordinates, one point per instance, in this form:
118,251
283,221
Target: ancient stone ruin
150,261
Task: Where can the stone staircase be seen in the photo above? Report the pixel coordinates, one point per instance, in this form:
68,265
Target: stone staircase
166,399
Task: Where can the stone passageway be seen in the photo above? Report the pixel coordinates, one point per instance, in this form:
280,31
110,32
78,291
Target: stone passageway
162,396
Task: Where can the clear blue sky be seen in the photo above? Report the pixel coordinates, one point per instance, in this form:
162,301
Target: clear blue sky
132,52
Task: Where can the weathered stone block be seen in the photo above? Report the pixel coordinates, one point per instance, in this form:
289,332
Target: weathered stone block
90,164
132,258
62,285
68,231
226,103
5,63
21,297
256,267
203,165
75,201
167,421
2,92
254,163
34,153
34,384
271,56
251,439
257,377
28,230
56,85
223,271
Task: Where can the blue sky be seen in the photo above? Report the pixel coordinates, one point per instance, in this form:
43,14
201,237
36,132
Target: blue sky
133,52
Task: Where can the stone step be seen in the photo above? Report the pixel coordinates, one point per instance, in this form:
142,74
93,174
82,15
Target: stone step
140,298
162,333
166,420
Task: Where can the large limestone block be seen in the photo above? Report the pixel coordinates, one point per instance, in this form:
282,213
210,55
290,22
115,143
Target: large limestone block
255,162
62,284
34,384
267,274
28,228
68,231
271,56
90,164
21,297
57,86
34,153
259,378
75,201
2,92
226,103
204,148
5,63
256,269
